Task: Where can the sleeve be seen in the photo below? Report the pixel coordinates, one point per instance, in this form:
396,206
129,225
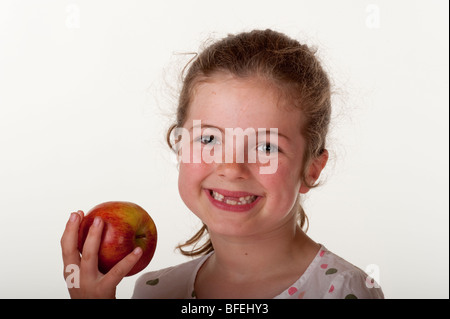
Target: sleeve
354,284
175,282
154,285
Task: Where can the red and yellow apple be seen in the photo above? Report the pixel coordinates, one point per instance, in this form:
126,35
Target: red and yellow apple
126,226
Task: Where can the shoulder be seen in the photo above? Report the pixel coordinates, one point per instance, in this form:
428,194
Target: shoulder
174,282
346,281
331,277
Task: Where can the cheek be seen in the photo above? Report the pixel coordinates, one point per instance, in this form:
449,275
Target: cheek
283,186
285,176
190,177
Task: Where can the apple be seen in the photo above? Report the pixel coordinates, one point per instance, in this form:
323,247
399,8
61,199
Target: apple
126,226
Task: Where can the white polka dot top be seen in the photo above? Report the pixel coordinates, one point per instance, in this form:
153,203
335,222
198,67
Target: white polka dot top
327,277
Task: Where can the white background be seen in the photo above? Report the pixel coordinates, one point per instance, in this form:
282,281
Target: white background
87,89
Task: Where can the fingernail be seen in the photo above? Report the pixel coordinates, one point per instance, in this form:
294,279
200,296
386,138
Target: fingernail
97,221
137,250
73,217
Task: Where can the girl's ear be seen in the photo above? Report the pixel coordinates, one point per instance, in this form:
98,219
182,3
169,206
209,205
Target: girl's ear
314,170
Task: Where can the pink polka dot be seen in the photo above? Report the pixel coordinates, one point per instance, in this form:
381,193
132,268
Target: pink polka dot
292,290
324,266
322,253
331,289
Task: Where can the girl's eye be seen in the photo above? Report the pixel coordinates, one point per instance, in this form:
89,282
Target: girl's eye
208,139
268,148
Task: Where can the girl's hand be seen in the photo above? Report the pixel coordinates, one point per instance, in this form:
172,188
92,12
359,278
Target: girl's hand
91,283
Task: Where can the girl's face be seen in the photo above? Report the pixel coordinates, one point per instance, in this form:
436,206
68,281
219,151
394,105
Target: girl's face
232,197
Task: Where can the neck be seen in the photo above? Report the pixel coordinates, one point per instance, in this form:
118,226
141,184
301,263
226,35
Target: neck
253,257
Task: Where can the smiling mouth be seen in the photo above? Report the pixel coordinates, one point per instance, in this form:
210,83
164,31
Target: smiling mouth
233,200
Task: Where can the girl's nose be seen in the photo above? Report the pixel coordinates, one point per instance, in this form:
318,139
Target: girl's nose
233,171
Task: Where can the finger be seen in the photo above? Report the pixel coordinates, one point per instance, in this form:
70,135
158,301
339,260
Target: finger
80,213
121,269
89,260
69,241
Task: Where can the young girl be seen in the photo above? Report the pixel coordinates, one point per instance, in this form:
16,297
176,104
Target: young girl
253,114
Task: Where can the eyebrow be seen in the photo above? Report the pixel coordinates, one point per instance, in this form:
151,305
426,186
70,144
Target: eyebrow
203,125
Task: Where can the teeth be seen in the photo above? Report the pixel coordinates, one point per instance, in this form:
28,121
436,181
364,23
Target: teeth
242,200
217,196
